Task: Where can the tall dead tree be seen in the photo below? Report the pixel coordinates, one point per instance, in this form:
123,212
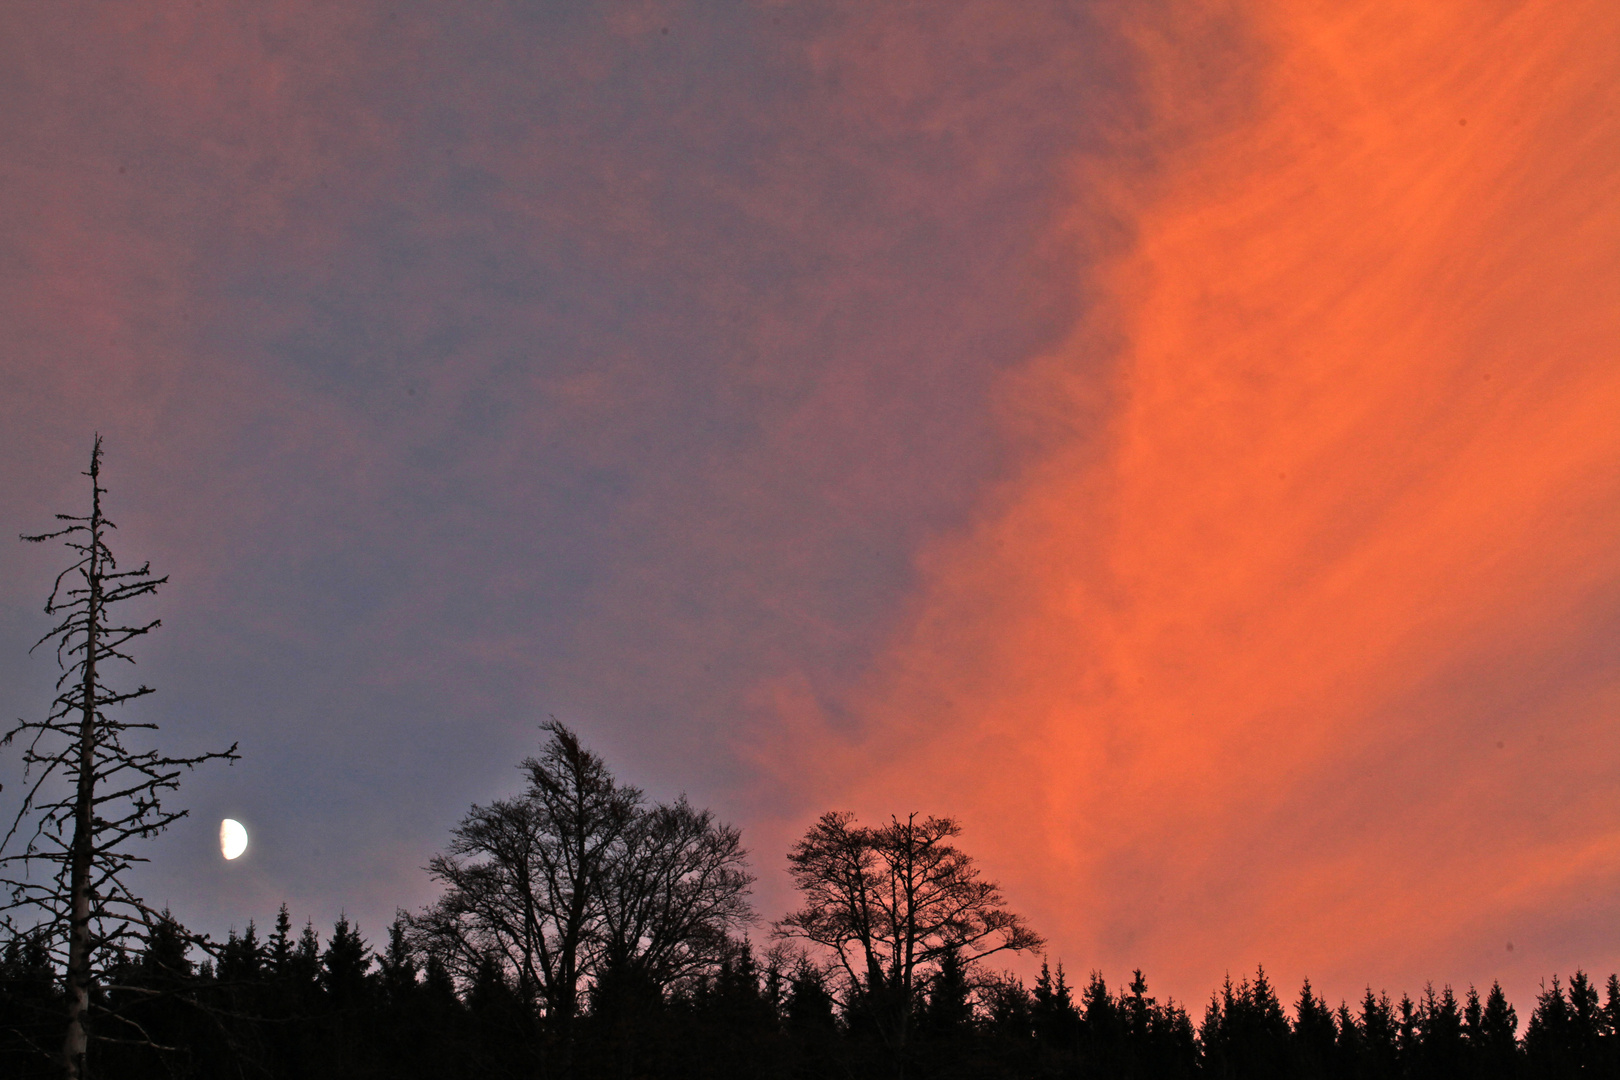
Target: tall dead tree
90,790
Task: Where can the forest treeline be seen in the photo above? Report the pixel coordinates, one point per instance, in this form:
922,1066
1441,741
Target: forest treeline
583,932
293,1003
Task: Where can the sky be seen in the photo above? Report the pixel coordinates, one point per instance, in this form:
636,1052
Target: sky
1176,441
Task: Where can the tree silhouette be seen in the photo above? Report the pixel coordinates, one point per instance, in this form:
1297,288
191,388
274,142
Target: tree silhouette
1585,1020
575,882
524,878
1244,1032
90,790
890,903
1314,1034
948,1010
1442,1033
1053,1015
1564,1035
1493,1033
675,890
313,1008
1379,1038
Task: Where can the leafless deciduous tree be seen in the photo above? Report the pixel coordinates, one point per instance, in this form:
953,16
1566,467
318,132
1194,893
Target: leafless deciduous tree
523,877
890,902
90,791
575,873
675,889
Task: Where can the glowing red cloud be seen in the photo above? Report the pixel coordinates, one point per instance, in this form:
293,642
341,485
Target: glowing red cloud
1295,646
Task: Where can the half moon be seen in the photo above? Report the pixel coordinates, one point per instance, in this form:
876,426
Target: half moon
232,838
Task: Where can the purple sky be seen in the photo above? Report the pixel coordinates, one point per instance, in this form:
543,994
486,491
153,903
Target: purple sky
465,367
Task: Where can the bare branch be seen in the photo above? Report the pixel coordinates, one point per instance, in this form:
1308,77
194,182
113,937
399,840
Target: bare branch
84,818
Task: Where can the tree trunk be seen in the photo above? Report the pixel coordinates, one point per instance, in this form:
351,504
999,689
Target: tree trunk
76,1043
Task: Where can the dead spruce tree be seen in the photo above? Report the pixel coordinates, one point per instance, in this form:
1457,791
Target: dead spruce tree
90,791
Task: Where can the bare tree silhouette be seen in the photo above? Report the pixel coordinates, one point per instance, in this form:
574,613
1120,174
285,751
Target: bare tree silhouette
90,790
676,889
523,879
576,876
890,903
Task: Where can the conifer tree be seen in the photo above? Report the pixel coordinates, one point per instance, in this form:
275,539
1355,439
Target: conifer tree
1314,1034
397,968
1473,1019
1248,1033
1055,1018
1498,1035
948,1010
1138,1009
1378,1035
1442,1033
1099,1019
1215,1033
809,1006
1609,1029
90,790
1007,1013
241,958
1267,1010
30,1004
304,966
1408,1032
1548,1042
1585,1020
1348,1043
1175,1043
281,946
809,1024
344,965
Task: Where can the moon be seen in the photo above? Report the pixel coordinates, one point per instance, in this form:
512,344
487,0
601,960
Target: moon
232,838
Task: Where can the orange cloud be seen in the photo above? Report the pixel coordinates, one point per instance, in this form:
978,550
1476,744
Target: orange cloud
1292,642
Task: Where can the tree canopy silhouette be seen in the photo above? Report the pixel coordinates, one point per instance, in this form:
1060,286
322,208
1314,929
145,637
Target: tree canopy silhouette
576,879
890,904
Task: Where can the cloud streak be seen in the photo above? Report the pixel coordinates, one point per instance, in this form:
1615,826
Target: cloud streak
1292,647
